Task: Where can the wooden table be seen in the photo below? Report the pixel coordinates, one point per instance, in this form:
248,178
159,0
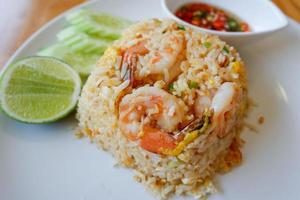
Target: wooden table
20,18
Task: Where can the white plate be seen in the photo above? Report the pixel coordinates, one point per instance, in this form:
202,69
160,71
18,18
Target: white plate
47,162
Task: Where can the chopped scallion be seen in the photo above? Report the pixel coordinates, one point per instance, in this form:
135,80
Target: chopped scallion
207,44
180,27
225,49
193,85
233,25
171,86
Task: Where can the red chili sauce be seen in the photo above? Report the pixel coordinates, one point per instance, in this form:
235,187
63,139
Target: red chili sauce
210,17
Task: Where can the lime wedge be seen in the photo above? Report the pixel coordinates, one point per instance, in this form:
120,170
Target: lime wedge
39,89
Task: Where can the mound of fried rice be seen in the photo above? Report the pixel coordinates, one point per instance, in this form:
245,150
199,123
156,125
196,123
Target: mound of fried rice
206,61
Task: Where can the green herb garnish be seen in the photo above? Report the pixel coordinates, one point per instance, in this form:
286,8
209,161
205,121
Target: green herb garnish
233,25
225,49
207,44
192,84
171,87
180,27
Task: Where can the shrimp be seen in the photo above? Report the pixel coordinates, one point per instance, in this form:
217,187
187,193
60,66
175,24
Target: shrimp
130,59
202,103
164,56
223,102
220,104
128,69
150,114
159,59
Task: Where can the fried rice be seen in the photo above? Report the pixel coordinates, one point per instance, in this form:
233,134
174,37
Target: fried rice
198,78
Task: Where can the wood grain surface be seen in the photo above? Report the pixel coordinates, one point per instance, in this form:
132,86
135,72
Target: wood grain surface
290,8
20,18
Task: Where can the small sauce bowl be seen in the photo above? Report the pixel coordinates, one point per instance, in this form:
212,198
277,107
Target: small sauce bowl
262,16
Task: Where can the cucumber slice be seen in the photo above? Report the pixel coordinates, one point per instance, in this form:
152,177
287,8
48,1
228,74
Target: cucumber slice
108,20
85,38
98,24
81,42
83,63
